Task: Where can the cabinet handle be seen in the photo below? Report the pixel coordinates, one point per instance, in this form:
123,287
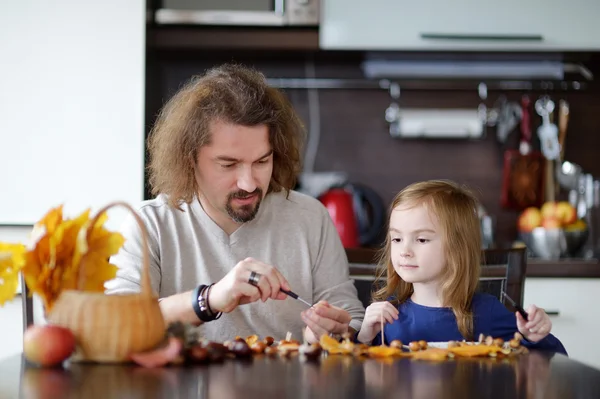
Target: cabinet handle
552,312
495,37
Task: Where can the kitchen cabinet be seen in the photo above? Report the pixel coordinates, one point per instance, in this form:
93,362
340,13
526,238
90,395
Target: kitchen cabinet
463,25
578,320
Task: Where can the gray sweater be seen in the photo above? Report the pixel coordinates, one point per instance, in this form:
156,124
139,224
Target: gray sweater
296,235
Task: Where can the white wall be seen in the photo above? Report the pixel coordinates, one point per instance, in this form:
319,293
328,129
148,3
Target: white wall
72,111
71,105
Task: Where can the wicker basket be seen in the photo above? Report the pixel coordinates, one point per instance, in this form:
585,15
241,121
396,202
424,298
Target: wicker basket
108,328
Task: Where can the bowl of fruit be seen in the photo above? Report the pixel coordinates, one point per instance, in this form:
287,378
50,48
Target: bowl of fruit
552,231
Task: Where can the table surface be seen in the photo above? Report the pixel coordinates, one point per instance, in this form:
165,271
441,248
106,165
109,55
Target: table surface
535,375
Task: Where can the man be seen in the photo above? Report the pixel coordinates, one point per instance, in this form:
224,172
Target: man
226,231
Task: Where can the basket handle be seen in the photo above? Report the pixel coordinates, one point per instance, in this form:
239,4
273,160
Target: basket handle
145,275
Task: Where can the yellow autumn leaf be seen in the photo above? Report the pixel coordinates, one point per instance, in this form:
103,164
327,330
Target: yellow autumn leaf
96,271
52,219
12,260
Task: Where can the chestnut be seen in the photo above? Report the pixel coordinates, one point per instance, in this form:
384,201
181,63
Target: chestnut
423,344
240,349
514,343
414,346
269,340
396,344
198,354
270,351
518,336
310,352
216,351
258,347
498,342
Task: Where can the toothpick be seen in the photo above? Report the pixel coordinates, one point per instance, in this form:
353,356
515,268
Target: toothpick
382,335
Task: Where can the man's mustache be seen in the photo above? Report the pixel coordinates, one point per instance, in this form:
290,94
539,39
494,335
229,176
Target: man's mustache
242,194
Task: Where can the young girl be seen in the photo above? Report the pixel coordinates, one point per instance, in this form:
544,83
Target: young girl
431,264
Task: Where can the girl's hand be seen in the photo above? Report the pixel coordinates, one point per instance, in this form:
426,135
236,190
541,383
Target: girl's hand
372,322
538,326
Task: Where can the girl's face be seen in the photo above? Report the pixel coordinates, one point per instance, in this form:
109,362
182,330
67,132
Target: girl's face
416,244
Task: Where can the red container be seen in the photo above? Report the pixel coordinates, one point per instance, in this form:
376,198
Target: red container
339,204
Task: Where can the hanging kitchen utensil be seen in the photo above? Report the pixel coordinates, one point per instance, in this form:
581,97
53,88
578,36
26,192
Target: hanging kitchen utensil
547,132
509,115
563,121
523,172
548,135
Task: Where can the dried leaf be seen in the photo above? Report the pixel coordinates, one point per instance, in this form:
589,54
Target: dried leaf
12,260
63,255
435,354
384,351
474,350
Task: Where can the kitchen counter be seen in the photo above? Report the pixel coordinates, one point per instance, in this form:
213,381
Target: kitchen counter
362,262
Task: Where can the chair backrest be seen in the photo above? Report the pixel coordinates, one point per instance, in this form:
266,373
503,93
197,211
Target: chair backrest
27,304
504,270
501,270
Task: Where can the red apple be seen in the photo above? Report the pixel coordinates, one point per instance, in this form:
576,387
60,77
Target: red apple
48,345
529,219
551,223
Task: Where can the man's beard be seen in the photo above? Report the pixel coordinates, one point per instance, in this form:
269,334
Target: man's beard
244,213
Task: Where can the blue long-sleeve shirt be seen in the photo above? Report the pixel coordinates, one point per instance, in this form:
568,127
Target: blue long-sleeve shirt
490,317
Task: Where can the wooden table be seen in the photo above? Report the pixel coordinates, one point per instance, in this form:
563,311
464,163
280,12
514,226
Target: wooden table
536,375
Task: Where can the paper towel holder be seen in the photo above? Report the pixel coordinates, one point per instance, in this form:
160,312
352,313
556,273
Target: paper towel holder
458,123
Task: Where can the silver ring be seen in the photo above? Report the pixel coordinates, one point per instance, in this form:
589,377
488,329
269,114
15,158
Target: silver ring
253,279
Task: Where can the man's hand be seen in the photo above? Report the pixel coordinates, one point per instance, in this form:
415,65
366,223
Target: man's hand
324,318
236,289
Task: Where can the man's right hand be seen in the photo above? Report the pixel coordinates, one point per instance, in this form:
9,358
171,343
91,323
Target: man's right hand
235,288
375,313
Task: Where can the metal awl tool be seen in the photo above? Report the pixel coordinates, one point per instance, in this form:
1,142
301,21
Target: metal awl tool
295,296
516,306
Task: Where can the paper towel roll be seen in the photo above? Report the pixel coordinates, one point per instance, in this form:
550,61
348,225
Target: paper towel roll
439,123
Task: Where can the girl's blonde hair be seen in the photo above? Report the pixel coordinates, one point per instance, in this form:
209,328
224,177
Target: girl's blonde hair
456,209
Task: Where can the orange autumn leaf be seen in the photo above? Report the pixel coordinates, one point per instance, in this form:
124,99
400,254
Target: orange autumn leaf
474,350
384,351
49,267
92,253
52,219
12,260
69,254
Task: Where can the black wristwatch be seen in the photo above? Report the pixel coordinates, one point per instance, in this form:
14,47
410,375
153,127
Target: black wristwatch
201,305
